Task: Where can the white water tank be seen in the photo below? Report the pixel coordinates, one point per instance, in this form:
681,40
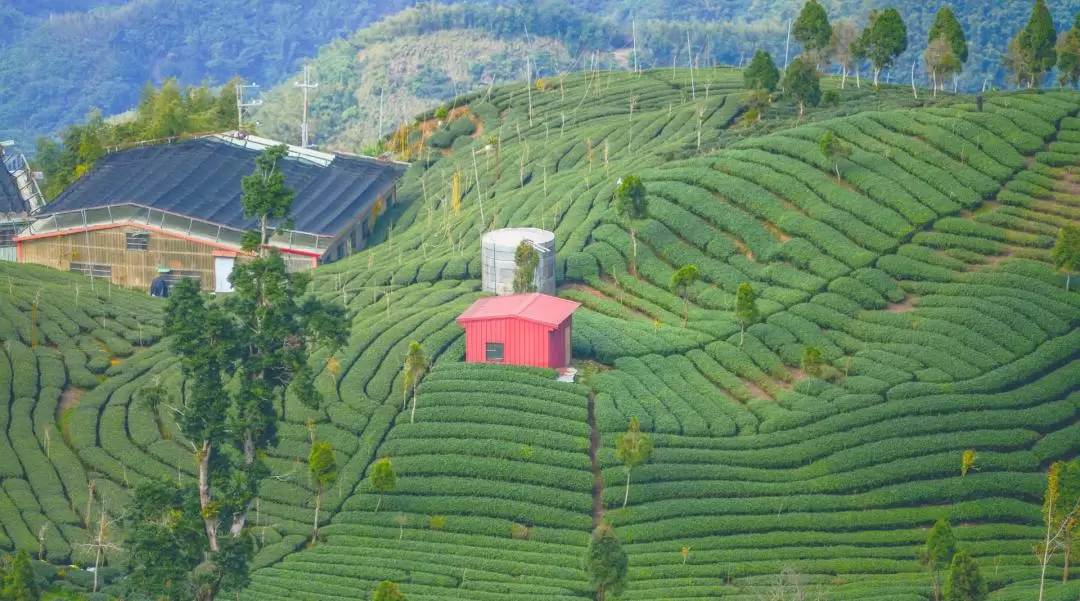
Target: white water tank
497,259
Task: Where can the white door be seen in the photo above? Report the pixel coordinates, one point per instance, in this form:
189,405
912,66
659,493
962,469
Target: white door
223,267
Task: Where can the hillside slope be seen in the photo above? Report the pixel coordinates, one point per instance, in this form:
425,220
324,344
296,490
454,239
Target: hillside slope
921,274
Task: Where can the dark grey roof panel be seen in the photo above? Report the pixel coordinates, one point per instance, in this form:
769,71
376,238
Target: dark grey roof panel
10,201
201,179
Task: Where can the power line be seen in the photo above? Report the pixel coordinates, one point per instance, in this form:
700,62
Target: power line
305,86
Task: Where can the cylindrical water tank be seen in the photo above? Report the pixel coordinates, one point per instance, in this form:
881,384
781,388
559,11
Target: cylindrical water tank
499,267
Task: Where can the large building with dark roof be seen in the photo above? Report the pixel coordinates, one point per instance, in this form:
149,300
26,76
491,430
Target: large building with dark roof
174,211
18,197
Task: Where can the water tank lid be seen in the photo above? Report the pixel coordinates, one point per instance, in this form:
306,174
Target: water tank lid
514,236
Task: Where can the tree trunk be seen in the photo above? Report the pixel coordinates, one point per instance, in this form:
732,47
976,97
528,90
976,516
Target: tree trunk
1065,570
1068,276
262,226
837,165
315,524
937,586
97,565
633,246
877,76
858,78
626,497
209,521
379,502
240,519
742,334
686,311
412,414
843,76
802,107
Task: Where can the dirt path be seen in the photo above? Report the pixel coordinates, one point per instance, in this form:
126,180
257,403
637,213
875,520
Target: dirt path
905,305
594,449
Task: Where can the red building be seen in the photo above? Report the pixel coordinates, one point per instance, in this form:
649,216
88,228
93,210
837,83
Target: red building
523,329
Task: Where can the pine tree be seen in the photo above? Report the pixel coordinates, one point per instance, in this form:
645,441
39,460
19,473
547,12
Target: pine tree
746,311
762,73
1037,43
1068,52
632,448
939,551
681,281
20,583
265,196
947,26
803,83
323,469
883,40
965,581
632,205
812,30
605,562
1066,252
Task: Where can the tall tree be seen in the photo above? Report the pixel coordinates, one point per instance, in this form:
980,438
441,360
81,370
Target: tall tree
415,367
265,196
1066,252
387,591
812,31
965,581
947,27
1061,512
938,551
383,479
761,73
19,583
605,562
803,83
834,149
1036,43
1068,52
812,361
681,282
632,205
842,47
884,39
940,62
632,448
746,310
526,259
323,469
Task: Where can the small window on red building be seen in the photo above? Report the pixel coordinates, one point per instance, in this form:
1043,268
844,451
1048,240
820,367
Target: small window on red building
493,351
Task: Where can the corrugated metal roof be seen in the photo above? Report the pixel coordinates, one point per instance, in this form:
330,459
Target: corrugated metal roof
201,178
539,308
10,200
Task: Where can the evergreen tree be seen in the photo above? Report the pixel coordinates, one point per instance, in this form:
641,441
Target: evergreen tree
947,26
415,367
605,562
803,83
886,41
1068,52
762,73
843,47
834,149
323,469
526,259
632,448
939,550
19,583
812,361
631,205
1036,42
387,591
965,581
940,62
681,281
1066,252
383,479
746,311
265,196
812,30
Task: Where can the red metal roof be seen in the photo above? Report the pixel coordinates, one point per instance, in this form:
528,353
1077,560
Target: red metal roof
538,308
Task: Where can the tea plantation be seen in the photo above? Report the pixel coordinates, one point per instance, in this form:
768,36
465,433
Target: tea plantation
918,264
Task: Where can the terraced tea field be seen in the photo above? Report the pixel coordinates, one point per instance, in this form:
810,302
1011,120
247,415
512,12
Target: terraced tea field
921,272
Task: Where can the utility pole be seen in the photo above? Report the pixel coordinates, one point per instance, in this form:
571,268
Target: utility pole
241,105
305,86
787,45
633,25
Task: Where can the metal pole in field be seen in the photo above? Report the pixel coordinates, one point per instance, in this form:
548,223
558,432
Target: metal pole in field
787,45
241,105
305,86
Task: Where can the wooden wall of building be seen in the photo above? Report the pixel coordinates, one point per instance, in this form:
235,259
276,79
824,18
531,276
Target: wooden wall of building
132,268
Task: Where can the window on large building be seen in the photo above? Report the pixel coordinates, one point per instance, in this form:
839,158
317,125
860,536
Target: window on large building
94,270
138,240
174,276
7,236
493,351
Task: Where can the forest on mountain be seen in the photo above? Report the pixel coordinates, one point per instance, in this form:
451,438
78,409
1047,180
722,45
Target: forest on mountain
61,58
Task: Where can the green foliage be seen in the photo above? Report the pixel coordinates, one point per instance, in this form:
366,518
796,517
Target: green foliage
965,582
812,29
834,148
1068,57
322,466
1066,252
761,73
630,200
383,478
884,39
265,196
387,591
681,282
947,26
746,309
20,583
812,361
526,259
1037,42
605,563
803,83
940,545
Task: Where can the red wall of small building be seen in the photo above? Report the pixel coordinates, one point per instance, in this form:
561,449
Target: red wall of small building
524,342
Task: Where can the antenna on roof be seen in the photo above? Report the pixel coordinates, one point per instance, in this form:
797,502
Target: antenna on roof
305,86
241,105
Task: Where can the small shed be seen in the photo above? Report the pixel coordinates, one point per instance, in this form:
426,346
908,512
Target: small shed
522,329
